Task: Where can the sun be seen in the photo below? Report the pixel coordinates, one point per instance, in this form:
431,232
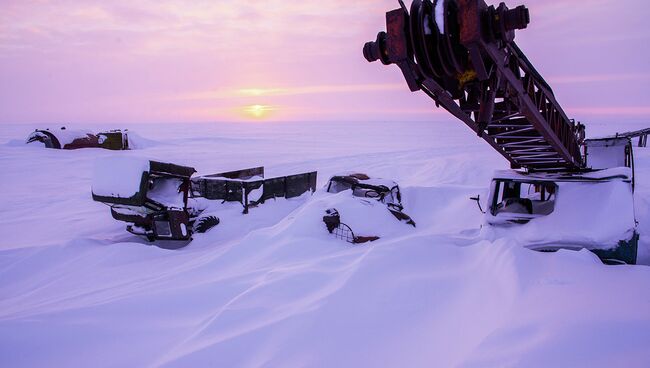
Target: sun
257,111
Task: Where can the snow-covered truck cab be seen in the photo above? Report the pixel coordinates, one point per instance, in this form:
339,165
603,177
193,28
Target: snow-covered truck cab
593,209
151,196
486,81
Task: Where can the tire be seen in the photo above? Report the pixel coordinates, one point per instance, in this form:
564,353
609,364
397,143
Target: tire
204,224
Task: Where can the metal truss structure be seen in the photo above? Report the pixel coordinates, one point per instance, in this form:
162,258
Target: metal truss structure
462,54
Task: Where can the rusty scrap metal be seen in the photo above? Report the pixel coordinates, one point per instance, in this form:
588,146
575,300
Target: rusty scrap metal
462,54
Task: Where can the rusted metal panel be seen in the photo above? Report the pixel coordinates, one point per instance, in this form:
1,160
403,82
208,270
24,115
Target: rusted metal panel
397,50
470,20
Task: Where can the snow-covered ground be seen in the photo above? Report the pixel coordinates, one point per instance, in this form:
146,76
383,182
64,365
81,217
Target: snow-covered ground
273,289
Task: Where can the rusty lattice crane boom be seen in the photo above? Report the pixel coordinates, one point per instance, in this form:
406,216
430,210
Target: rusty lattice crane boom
462,54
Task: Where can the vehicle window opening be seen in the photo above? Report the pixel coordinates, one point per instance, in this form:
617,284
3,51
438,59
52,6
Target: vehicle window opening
526,198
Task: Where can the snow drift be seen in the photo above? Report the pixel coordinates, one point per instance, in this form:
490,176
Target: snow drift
273,288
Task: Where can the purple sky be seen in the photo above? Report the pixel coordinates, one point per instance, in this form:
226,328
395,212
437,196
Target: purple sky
120,61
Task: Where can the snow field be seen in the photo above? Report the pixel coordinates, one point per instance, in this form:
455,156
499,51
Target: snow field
273,288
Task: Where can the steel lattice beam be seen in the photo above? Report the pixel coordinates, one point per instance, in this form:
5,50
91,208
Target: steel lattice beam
472,68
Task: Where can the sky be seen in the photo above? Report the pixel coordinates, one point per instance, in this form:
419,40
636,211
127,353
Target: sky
156,61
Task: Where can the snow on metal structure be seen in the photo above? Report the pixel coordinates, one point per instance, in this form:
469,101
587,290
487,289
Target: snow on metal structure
462,54
367,189
250,188
152,197
162,201
593,210
72,139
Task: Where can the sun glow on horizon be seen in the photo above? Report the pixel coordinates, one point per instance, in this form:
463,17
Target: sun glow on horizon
258,111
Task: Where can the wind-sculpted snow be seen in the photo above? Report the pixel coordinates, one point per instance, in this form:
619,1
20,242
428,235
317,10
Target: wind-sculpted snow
137,141
118,176
272,288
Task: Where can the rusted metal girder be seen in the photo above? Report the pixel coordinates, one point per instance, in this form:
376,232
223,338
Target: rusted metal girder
462,54
642,134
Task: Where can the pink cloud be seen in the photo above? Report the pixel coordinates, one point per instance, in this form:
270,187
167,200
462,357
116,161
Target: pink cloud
97,61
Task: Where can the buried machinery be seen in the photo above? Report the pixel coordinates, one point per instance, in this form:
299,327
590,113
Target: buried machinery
63,138
462,54
162,201
364,188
